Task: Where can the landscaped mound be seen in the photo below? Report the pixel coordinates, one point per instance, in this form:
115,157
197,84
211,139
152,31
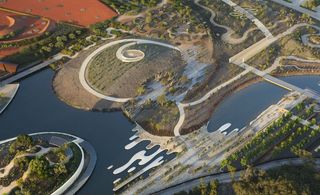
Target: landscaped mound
37,164
110,76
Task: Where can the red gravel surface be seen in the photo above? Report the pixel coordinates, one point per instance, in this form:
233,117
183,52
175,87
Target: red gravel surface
80,12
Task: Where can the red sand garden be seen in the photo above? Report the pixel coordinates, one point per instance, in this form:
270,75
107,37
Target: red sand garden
80,12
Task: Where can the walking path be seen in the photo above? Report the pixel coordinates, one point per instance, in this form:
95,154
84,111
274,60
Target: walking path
55,58
182,106
239,59
125,18
251,17
89,169
226,177
75,182
7,169
277,62
228,36
86,62
305,39
256,48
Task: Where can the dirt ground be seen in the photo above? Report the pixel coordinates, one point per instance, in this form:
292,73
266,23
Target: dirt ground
68,88
80,12
9,51
204,111
28,26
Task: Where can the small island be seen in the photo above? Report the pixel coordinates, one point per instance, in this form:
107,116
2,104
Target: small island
45,163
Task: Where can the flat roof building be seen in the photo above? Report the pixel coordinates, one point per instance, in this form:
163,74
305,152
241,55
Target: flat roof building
8,67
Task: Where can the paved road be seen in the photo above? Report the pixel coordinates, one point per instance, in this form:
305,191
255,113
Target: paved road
225,177
315,15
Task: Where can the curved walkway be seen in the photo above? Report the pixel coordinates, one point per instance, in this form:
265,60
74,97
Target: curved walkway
86,62
227,37
238,59
75,177
121,56
8,91
277,62
182,106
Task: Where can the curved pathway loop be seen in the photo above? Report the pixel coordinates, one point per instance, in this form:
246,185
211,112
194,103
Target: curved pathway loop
75,182
129,55
86,62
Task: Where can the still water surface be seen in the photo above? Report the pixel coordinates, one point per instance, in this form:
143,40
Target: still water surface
36,108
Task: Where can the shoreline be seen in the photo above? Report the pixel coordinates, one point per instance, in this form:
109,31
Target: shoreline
215,103
101,105
239,87
11,94
85,168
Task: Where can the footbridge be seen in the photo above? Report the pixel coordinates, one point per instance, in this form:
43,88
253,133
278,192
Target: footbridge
285,85
282,84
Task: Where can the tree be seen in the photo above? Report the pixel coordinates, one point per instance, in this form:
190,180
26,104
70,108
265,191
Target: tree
59,44
22,143
214,187
141,90
72,36
59,169
162,100
39,167
203,187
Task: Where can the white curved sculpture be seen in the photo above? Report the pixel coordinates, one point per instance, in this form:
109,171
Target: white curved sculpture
129,55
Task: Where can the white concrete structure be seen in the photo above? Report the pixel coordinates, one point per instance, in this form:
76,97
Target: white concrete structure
77,141
9,91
